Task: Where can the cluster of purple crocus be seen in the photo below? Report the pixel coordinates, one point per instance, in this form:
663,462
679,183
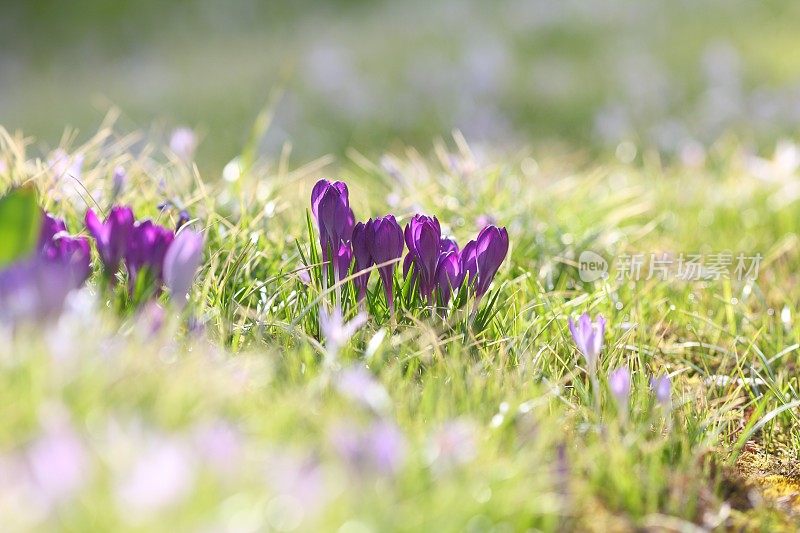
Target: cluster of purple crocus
146,249
36,287
434,262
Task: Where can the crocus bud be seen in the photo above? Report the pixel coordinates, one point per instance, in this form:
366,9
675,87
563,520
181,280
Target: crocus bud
385,244
330,204
423,235
111,236
180,264
491,248
448,275
588,337
118,181
619,381
448,244
148,246
183,219
661,386
362,257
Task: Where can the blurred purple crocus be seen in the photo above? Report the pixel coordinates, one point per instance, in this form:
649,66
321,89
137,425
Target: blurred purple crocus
56,245
111,236
619,381
377,449
362,257
588,337
51,226
330,204
385,245
183,142
662,386
180,264
59,463
482,257
35,288
423,235
147,248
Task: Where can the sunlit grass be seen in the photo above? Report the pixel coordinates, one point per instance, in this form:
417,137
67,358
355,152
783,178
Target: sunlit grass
547,456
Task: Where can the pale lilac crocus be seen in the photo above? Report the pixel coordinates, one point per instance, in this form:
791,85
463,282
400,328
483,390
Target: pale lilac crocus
118,181
162,476
588,337
360,385
619,381
183,142
59,463
379,448
336,332
181,262
219,445
662,386
385,245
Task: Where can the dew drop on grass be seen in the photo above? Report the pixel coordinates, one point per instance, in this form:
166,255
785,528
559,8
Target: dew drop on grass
618,306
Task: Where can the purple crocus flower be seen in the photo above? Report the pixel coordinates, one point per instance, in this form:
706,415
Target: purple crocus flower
147,247
330,204
662,386
362,257
448,275
385,245
423,235
180,264
482,257
619,381
343,259
56,245
588,337
111,236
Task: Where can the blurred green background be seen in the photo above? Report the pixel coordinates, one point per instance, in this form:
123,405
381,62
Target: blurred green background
371,75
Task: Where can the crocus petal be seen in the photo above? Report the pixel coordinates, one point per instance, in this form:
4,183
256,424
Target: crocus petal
181,262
